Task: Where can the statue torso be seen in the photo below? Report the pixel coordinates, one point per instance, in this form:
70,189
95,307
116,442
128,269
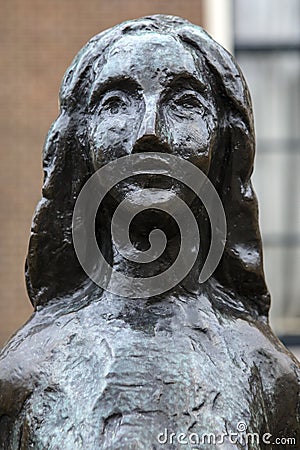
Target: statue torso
95,381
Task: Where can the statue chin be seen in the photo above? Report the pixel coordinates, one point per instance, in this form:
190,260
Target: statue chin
148,209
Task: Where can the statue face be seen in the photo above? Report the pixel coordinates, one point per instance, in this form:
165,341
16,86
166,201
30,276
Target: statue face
151,96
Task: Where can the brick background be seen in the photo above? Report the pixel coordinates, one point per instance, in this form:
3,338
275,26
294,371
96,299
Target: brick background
39,39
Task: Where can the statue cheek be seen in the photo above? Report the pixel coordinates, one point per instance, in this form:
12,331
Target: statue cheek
111,138
190,137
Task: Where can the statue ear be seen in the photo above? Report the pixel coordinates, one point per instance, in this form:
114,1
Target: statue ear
52,268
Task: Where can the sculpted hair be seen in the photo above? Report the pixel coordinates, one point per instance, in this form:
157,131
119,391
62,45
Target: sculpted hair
52,269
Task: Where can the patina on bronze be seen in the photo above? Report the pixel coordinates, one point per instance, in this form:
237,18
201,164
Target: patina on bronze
92,370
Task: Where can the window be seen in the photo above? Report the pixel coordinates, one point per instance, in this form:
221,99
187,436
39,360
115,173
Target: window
267,47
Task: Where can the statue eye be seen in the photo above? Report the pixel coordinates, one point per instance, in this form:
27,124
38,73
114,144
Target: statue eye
187,101
114,104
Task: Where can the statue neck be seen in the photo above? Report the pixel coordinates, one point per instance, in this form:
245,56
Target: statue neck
141,239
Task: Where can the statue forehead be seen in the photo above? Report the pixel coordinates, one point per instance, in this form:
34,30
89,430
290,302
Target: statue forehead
146,52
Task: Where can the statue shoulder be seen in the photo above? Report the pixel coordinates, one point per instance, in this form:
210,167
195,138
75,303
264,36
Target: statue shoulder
43,351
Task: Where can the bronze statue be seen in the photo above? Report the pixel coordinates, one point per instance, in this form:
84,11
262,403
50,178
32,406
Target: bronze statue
93,369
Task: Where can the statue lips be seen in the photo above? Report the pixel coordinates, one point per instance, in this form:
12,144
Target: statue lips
152,163
152,171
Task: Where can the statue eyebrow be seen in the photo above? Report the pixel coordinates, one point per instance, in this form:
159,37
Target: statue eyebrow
187,80
127,84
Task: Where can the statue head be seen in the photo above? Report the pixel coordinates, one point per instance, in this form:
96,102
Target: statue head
152,93
156,84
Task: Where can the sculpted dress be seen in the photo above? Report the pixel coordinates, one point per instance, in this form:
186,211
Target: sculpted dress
117,376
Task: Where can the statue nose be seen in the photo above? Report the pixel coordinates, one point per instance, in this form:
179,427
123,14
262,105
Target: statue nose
148,138
149,122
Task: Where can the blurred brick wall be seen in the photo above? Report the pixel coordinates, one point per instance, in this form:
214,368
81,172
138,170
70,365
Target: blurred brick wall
38,41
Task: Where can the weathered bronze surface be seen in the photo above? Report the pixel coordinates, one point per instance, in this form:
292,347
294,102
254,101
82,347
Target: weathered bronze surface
93,370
